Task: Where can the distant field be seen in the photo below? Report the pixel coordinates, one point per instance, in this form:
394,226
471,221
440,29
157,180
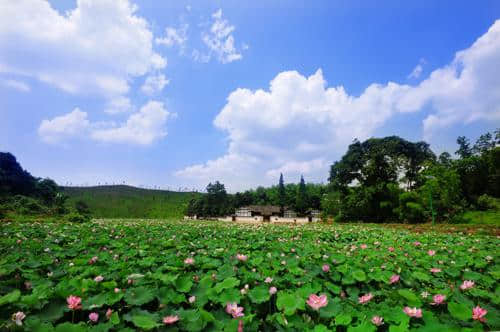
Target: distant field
129,202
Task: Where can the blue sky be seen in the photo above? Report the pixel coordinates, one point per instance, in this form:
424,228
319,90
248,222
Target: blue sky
180,93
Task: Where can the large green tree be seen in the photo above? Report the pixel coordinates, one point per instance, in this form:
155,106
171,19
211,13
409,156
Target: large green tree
370,176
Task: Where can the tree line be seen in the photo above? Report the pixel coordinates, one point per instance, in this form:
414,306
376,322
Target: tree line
380,180
391,179
22,194
299,197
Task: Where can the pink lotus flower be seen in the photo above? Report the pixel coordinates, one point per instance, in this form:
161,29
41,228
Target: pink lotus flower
74,302
109,312
467,284
189,261
377,320
316,302
192,299
325,268
431,252
438,299
478,313
168,320
94,317
435,270
268,280
416,243
234,310
117,290
413,312
391,249
241,258
365,298
273,290
18,318
394,279
98,279
363,246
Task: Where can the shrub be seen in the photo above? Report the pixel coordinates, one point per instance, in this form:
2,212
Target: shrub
82,208
410,208
76,217
458,219
485,202
27,205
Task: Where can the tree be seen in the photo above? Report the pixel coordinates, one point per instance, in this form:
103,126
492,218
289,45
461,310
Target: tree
14,180
46,190
301,199
368,177
445,159
464,149
216,199
483,144
281,194
444,185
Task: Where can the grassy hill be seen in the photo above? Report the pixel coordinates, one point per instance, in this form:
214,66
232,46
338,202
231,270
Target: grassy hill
129,202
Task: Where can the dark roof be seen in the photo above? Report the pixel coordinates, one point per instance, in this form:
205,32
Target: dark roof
265,210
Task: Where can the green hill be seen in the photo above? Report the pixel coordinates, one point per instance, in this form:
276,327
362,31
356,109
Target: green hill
120,201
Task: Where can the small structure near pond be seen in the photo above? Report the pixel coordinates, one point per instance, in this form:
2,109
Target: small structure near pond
272,214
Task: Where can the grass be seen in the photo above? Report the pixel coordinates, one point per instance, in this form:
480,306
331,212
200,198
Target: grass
490,217
129,202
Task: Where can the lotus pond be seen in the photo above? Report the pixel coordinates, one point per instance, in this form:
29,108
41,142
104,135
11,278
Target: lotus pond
122,275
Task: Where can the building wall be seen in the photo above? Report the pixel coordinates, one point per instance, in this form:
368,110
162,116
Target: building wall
228,218
250,219
243,212
297,220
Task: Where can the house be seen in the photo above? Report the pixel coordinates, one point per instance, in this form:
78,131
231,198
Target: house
289,213
264,212
313,215
270,213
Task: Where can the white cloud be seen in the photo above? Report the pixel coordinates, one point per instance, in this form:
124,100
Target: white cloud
154,84
118,105
220,40
15,84
141,128
200,57
175,37
300,125
95,48
65,126
417,71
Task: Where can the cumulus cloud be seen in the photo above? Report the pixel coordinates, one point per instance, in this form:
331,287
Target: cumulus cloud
118,105
220,41
154,84
417,71
15,84
96,48
175,37
61,127
300,125
141,128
